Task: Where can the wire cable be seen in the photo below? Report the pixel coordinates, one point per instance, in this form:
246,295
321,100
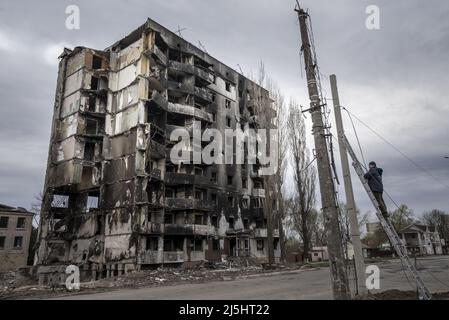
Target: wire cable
356,135
397,149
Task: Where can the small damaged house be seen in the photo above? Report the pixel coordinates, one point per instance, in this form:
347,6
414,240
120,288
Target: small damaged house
113,200
421,239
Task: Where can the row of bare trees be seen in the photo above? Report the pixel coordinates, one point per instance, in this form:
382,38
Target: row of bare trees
289,206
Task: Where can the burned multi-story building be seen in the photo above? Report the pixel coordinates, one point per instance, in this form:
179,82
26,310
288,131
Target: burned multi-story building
113,199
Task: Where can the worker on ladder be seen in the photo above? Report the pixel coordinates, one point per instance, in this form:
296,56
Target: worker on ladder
374,177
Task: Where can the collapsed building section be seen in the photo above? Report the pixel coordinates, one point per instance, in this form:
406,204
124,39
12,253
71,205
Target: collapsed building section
113,199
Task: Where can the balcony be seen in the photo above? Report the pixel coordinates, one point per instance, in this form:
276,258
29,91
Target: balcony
173,178
189,229
203,94
157,54
258,193
169,128
189,88
190,111
153,228
183,204
199,72
157,99
262,233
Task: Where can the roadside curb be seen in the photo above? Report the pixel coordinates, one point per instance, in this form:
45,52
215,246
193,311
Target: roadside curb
268,274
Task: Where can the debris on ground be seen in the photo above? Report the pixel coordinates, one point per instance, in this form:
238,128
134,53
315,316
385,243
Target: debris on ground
162,276
402,295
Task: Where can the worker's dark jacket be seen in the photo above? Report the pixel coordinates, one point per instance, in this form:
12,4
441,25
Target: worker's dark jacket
374,177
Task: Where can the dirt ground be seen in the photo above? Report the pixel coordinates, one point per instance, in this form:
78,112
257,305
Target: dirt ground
404,295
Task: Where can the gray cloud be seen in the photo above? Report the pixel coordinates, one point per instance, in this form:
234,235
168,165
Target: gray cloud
395,79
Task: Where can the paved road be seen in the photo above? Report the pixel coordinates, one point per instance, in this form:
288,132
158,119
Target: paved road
304,285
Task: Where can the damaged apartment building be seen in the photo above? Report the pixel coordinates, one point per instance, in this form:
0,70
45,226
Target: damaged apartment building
113,200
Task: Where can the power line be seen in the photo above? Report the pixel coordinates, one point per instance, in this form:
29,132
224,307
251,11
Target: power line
356,135
397,149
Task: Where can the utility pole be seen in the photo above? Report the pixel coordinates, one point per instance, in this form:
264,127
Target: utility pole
339,277
350,203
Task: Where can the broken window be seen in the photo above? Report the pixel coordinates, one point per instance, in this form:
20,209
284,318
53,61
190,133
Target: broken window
231,201
197,244
60,201
99,229
246,244
228,86
198,171
169,193
4,222
198,219
168,218
260,244
228,104
89,151
94,81
214,198
245,203
214,221
152,243
173,244
215,244
96,62
92,202
18,241
2,242
20,223
246,223
213,97
91,126
92,104
228,122
231,222
258,203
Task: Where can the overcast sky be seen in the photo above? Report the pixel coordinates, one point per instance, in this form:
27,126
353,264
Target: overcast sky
394,79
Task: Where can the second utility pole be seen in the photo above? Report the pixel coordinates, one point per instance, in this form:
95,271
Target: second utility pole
350,202
339,278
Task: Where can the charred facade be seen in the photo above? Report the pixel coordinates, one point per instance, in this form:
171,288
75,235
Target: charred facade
113,200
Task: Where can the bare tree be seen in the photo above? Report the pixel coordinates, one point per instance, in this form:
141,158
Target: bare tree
439,220
304,179
270,113
318,230
361,218
36,208
401,218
